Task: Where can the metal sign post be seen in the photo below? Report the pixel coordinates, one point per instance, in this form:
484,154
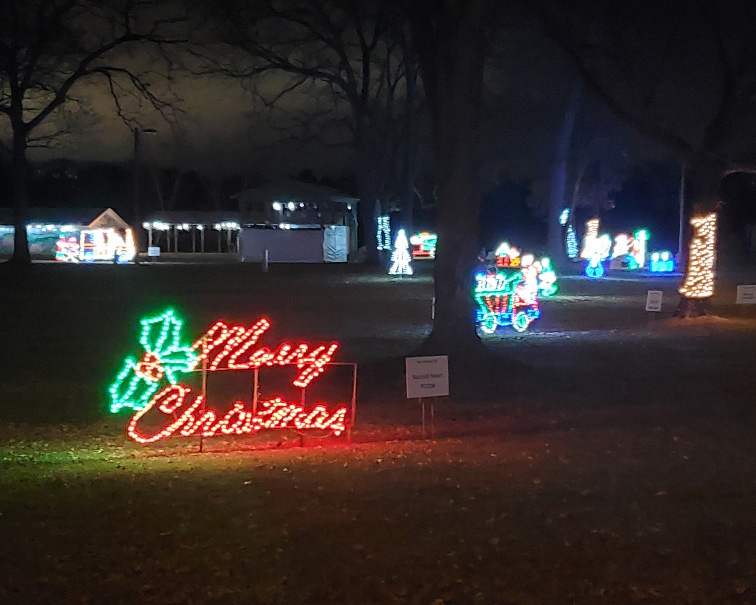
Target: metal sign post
255,389
204,394
256,397
653,304
354,402
427,377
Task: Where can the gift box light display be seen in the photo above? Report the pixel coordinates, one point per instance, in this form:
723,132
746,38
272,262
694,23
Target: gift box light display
630,252
699,277
509,257
424,245
152,387
92,245
507,297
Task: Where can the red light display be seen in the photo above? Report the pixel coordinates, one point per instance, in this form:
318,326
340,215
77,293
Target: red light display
184,415
222,347
229,348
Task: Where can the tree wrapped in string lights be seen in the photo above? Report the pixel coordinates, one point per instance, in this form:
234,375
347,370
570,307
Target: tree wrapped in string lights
699,276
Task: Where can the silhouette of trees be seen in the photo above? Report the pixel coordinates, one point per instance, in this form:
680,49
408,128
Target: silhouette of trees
48,48
353,61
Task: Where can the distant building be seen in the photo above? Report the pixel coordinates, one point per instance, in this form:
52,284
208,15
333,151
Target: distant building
45,225
294,216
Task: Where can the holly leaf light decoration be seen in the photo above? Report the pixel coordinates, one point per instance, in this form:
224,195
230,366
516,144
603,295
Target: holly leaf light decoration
163,361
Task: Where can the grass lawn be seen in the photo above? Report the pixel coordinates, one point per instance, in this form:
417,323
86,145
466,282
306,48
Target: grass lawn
616,464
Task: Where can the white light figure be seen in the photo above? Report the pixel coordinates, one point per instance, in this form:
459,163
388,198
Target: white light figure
638,246
603,246
564,216
128,251
589,239
621,246
400,257
594,268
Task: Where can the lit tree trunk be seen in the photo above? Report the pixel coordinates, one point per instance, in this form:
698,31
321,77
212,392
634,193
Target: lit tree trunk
558,179
21,254
452,49
704,174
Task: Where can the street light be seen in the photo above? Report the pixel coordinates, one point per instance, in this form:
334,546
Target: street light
137,221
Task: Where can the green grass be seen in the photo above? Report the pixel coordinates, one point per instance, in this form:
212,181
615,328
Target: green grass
617,467
590,510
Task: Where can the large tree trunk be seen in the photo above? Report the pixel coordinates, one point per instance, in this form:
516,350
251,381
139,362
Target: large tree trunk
366,191
452,51
21,254
703,180
704,174
457,223
410,149
558,179
368,224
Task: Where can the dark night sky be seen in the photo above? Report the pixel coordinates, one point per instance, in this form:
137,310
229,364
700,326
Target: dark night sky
216,132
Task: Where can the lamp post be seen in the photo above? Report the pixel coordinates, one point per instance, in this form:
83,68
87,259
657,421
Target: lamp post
137,221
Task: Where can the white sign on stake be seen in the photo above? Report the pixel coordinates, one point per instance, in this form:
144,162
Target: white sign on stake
427,376
654,300
746,295
153,251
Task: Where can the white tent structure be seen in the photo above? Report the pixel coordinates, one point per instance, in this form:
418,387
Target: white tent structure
296,222
193,230
327,245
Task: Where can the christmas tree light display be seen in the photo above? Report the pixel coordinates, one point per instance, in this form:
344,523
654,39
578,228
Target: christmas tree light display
400,257
699,278
572,243
383,232
564,216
